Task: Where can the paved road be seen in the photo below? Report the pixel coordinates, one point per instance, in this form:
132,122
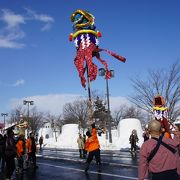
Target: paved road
113,158
63,164
115,164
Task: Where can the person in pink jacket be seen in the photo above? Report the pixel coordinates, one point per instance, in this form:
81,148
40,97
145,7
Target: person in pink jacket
176,137
158,155
176,133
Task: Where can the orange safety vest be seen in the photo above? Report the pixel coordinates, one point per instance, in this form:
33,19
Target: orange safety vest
92,143
20,149
29,145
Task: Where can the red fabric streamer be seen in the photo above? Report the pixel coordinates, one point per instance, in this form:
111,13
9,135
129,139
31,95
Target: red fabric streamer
121,58
86,54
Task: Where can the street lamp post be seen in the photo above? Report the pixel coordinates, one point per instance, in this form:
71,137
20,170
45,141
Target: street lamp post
102,72
4,114
28,103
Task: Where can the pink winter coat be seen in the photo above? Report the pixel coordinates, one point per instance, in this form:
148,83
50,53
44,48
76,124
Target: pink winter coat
162,161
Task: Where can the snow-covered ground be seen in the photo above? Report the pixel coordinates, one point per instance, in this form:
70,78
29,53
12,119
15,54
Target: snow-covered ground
120,136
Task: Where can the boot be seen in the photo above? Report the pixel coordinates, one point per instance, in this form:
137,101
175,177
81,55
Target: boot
99,168
17,170
86,167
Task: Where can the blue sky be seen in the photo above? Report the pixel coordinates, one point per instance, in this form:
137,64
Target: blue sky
36,57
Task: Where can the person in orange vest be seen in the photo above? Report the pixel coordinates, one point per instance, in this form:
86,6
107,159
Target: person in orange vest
31,150
20,146
92,146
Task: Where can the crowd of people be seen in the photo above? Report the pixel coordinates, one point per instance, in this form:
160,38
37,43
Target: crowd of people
17,149
159,154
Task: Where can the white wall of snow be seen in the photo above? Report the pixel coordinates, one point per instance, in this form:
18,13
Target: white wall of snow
120,136
125,128
69,135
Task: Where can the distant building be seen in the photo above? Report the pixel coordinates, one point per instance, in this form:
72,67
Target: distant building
1,125
46,131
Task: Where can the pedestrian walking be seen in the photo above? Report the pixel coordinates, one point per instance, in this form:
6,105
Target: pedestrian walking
36,139
93,148
31,149
80,143
158,155
133,140
40,142
10,154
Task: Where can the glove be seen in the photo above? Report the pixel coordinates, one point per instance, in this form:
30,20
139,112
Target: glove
93,125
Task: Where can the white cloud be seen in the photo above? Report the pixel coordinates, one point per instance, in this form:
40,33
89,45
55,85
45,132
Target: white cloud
46,27
48,20
15,84
12,19
43,18
11,33
54,103
6,43
19,82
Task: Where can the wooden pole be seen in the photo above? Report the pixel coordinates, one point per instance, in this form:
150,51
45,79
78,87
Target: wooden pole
90,120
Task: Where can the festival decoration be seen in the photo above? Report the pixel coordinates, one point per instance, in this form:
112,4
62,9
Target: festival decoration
86,41
160,111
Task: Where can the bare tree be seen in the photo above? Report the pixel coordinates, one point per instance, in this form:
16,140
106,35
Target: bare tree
15,115
76,112
59,122
125,111
160,82
35,120
117,115
133,112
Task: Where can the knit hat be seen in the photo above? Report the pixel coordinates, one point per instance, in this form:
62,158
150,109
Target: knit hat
88,133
